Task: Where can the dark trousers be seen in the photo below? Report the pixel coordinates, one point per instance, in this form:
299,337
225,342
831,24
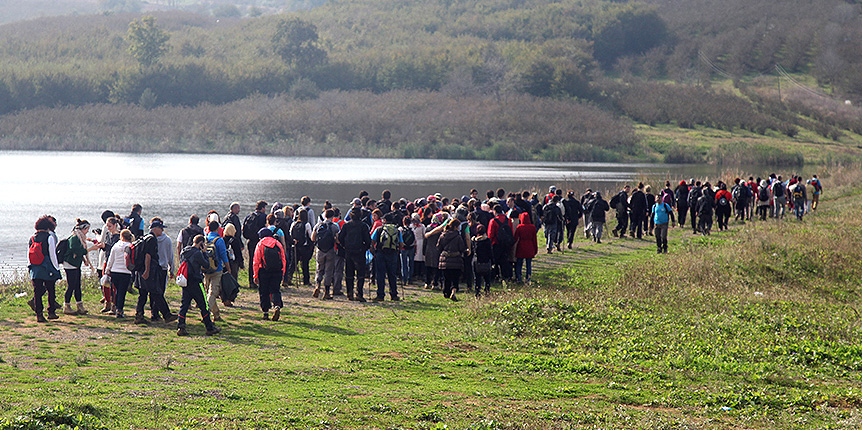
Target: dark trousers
723,215
467,273
693,213
40,287
157,297
571,227
194,291
762,210
450,281
303,257
387,268
431,276
121,283
418,270
682,211
483,278
252,244
501,259
150,289
649,223
637,225
661,237
270,290
354,268
291,265
622,223
704,224
73,284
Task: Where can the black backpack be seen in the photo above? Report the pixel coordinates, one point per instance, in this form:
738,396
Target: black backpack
778,189
250,226
408,237
505,237
763,194
272,259
693,195
297,233
62,249
325,237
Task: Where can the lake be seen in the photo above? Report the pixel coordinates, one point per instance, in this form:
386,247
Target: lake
70,185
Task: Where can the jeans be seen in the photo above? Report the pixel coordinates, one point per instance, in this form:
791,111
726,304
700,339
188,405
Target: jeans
121,283
519,271
407,264
596,228
780,203
551,235
483,278
387,267
194,291
799,208
661,237
269,290
354,267
73,284
40,287
622,223
571,228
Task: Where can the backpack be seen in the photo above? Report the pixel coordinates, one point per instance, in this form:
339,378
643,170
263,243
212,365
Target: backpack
297,233
37,251
693,195
388,237
505,237
325,237
408,237
62,249
248,226
183,275
722,201
763,194
615,201
272,259
778,189
187,236
551,214
797,192
135,255
211,256
817,186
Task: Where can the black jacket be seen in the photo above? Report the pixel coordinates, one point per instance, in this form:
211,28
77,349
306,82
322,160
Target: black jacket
705,205
574,209
195,260
638,203
354,237
597,208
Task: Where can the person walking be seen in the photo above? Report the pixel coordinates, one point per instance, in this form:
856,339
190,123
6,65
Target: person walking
552,221
723,200
502,240
418,256
110,237
387,242
620,202
694,195
799,194
408,251
779,196
526,248
451,247
638,210
212,278
300,233
167,263
597,209
574,212
483,260
269,265
817,187
148,275
705,210
194,259
44,268
250,226
681,196
662,213
324,238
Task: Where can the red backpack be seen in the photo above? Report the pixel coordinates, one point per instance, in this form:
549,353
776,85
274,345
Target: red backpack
37,250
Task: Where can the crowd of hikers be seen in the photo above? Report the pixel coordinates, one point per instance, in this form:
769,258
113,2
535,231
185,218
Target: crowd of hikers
434,240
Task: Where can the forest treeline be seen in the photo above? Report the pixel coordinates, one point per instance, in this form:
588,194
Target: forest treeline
610,62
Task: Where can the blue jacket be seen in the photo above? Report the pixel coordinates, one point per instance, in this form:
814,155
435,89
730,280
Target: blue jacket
221,249
662,212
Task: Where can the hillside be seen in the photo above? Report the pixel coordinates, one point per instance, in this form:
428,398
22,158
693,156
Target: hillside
586,80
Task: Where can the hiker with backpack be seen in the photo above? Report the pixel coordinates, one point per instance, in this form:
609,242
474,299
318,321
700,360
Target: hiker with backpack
144,256
817,187
800,196
194,260
741,195
573,214
638,211
502,240
779,196
483,260
763,198
252,223
187,235
74,251
300,234
215,251
236,244
387,242
44,267
234,249
723,208
597,208
649,223
661,213
325,236
168,267
452,249
694,194
620,202
134,222
552,221
118,273
680,194
355,239
268,267
586,199
705,209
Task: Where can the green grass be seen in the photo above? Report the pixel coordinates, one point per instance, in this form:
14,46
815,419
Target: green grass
754,328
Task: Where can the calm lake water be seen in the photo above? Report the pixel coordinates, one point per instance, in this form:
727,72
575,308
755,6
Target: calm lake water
70,185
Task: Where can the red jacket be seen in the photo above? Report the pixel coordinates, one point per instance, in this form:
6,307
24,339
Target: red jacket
495,224
525,236
267,242
724,193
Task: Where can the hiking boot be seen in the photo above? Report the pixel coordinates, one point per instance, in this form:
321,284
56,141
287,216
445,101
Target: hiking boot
266,316
558,248
276,314
337,293
155,318
360,299
549,251
395,299
427,286
570,246
40,318
327,296
106,309
81,310
171,318
182,331
52,315
316,293
377,299
217,317
213,331
67,309
121,316
32,304
453,298
614,232
227,303
140,320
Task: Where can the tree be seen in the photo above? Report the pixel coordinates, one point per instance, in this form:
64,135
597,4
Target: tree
147,42
297,43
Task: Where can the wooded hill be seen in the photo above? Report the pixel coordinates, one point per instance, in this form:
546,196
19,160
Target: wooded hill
511,79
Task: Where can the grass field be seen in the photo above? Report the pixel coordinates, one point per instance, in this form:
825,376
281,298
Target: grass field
757,327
